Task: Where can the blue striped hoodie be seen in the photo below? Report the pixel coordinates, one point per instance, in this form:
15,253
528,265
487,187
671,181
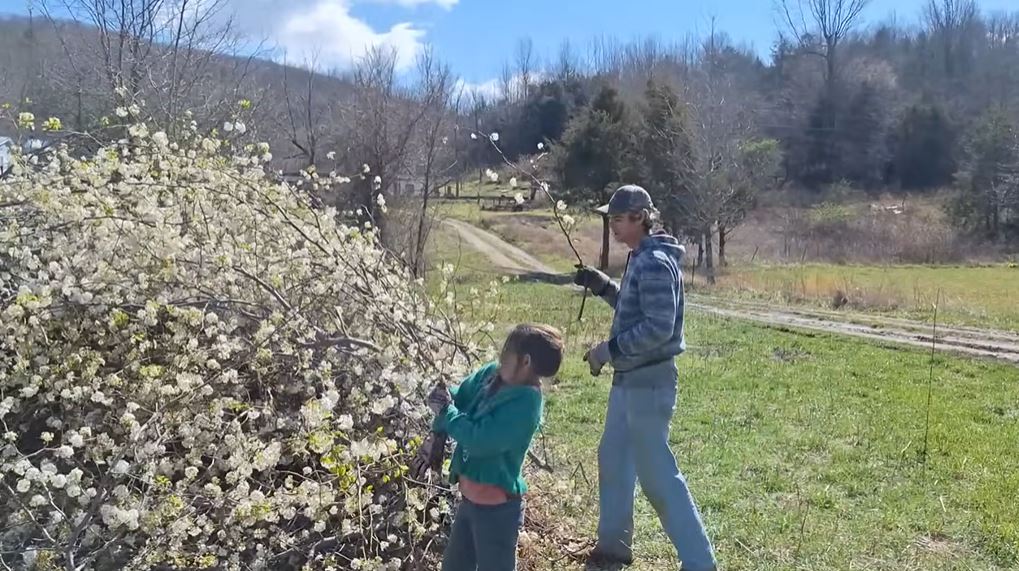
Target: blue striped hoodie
647,330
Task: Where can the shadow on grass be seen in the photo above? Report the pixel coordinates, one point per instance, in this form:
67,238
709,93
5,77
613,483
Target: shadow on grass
542,277
600,566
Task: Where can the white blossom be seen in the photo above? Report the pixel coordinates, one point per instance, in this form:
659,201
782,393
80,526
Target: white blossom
172,434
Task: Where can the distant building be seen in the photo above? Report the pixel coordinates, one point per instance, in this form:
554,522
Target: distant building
408,185
6,144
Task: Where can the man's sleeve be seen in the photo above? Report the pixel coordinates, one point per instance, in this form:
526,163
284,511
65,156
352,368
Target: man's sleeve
658,292
611,293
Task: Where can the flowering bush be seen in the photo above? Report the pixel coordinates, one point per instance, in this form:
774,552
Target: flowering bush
200,370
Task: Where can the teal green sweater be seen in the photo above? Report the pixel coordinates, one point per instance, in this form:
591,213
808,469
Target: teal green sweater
492,431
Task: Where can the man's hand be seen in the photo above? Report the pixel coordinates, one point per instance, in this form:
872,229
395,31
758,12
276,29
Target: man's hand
591,279
439,399
597,356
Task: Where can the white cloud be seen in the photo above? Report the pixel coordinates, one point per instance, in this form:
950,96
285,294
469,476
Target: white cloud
329,33
490,89
494,88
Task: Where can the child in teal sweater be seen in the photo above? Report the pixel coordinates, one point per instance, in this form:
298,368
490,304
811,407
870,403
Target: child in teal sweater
493,415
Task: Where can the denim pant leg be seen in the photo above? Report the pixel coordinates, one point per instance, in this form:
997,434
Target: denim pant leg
649,413
617,478
496,531
460,554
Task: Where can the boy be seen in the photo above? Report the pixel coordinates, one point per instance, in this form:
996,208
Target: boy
647,334
493,415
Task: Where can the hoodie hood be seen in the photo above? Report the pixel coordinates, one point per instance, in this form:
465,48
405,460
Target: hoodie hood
662,241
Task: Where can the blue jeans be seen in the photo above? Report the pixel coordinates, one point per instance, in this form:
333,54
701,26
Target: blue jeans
484,538
635,446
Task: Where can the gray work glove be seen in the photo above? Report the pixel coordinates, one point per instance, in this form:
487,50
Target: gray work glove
592,279
439,399
430,456
597,356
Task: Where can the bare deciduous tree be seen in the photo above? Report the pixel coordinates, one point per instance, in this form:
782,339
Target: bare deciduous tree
948,20
566,67
435,95
385,118
824,24
305,112
164,51
525,69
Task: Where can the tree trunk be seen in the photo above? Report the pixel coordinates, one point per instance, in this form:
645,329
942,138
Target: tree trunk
722,231
709,257
456,159
603,263
419,244
700,249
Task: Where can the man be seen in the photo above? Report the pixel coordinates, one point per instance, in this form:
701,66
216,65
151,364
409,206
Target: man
646,336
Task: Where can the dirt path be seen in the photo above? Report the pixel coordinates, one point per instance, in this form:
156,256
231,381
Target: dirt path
966,340
504,255
972,341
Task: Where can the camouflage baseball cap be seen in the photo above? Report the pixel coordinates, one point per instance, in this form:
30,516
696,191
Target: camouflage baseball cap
628,198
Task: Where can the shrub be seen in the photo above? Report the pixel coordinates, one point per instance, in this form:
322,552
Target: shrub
199,369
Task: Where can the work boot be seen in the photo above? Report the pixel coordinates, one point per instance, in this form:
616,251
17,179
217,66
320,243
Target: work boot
599,559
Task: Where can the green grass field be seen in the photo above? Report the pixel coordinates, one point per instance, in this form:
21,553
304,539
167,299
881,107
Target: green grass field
806,451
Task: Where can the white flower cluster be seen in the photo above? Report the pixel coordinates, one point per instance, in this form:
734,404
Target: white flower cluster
198,369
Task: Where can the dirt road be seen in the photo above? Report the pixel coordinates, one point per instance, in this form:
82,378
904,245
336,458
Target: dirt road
964,340
504,255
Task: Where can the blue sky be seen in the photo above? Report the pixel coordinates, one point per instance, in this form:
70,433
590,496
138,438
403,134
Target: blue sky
477,36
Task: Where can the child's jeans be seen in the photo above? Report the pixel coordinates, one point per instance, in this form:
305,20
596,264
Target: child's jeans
635,446
484,538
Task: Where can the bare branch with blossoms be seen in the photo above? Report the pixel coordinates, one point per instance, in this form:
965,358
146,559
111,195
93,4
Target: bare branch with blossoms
564,221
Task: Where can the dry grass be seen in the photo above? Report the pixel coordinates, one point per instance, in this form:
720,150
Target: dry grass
537,233
889,229
970,295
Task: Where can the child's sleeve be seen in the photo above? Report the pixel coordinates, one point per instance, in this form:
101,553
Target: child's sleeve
509,427
465,392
